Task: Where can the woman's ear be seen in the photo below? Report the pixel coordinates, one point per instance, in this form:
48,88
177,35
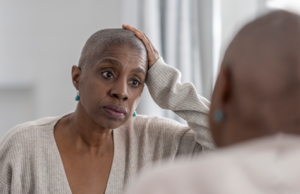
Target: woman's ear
76,73
219,101
224,85
221,91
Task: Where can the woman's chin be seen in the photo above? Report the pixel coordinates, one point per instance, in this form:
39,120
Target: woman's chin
112,123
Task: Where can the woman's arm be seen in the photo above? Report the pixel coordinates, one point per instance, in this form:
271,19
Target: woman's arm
4,189
5,166
165,87
169,93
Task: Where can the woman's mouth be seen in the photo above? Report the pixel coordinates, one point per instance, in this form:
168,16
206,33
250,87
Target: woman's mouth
115,111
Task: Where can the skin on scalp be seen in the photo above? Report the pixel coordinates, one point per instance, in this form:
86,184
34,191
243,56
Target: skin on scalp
258,84
105,38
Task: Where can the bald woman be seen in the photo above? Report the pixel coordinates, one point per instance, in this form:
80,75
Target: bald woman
254,118
103,145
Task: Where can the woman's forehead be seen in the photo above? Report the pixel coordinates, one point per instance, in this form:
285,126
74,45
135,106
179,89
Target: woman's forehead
123,55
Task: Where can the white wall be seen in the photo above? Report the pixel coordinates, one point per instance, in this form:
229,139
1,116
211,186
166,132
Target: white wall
40,41
235,14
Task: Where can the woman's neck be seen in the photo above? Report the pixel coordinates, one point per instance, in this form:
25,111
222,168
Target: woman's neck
86,136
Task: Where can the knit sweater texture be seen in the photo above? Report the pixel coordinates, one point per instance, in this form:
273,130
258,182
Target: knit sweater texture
30,161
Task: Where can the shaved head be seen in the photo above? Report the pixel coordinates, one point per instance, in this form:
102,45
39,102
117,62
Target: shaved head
264,59
110,78
103,39
263,77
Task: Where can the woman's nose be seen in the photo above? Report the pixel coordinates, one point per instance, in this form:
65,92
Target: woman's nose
119,90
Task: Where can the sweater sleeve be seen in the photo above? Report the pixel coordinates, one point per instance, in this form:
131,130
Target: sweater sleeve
6,165
4,189
169,93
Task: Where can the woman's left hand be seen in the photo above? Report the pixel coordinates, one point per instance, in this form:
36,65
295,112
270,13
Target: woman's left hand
153,54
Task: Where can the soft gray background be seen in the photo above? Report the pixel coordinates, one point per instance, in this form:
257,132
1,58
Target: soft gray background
41,40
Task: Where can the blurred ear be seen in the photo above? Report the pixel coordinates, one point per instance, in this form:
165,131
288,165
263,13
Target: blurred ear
220,98
221,91
224,85
76,73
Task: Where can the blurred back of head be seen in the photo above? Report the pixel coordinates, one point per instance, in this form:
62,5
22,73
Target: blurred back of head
258,85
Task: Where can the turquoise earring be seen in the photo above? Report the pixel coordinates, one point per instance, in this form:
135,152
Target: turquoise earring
77,96
219,115
134,114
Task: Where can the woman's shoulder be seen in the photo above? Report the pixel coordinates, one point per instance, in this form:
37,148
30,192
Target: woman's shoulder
21,147
24,133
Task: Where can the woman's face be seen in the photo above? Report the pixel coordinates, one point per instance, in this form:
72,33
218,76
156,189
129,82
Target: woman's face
111,88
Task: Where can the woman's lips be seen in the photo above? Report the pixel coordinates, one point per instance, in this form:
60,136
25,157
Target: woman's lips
115,111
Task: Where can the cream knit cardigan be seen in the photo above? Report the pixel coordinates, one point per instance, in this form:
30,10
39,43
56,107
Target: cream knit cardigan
30,162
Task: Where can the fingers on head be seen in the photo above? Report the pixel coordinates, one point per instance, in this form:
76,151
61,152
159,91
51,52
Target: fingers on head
139,34
135,29
125,26
147,38
147,41
128,27
144,39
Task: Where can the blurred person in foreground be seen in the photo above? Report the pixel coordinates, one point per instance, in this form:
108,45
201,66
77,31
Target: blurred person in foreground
254,118
103,145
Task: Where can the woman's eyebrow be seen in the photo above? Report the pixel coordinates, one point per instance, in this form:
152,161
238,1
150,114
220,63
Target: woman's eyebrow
139,70
111,61
117,63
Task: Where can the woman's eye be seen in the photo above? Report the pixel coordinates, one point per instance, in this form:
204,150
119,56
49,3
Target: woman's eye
107,74
135,82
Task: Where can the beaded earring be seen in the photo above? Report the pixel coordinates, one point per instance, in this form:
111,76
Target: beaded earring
219,115
134,114
77,96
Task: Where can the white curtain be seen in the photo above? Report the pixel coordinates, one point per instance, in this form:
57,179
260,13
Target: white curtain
174,26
